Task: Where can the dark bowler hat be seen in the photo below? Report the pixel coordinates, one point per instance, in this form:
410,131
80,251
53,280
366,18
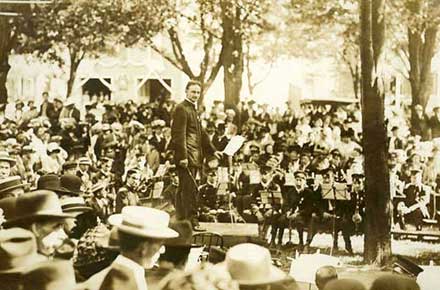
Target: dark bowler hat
51,182
71,183
10,183
37,204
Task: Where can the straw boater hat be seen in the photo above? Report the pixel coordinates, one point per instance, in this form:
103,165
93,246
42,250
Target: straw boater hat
144,222
35,205
74,205
251,265
18,250
84,161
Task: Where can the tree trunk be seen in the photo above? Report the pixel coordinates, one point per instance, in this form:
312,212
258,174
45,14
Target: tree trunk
232,45
75,59
377,248
421,48
5,49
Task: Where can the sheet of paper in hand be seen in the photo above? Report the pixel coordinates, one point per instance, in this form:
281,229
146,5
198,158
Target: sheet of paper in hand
234,145
222,174
158,188
161,170
254,176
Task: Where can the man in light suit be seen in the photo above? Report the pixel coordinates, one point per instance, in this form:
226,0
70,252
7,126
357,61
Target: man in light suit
141,234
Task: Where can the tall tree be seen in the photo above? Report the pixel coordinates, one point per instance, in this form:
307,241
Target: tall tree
241,21
420,20
377,248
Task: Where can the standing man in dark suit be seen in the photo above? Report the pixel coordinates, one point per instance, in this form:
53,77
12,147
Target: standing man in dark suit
191,144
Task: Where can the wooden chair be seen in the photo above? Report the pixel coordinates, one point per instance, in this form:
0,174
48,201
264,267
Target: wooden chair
208,240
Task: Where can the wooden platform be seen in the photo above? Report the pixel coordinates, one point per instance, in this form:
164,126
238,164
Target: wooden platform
233,233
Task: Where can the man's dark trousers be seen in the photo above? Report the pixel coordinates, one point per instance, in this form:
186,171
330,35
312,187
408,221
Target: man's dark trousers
187,194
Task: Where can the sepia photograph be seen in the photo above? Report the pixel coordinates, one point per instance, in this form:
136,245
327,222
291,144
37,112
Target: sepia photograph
219,145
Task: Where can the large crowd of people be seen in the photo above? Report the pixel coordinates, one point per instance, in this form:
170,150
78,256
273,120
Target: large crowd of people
107,187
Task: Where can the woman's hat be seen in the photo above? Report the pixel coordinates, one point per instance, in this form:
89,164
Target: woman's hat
4,156
37,204
18,250
251,265
144,222
53,148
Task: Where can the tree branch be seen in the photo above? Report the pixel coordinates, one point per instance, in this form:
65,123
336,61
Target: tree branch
178,53
166,56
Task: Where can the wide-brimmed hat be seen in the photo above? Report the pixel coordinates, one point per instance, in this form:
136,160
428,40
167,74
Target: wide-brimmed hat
4,156
71,183
144,222
10,183
74,205
50,182
37,204
250,264
18,250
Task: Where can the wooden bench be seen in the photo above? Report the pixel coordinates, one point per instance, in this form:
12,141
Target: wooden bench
418,234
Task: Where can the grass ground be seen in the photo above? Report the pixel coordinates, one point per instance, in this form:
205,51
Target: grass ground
420,252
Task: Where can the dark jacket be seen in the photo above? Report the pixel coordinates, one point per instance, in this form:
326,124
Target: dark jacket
434,123
189,139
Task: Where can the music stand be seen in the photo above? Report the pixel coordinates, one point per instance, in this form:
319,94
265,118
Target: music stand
335,191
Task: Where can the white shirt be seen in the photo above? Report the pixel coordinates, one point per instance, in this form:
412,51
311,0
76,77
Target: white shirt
138,271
